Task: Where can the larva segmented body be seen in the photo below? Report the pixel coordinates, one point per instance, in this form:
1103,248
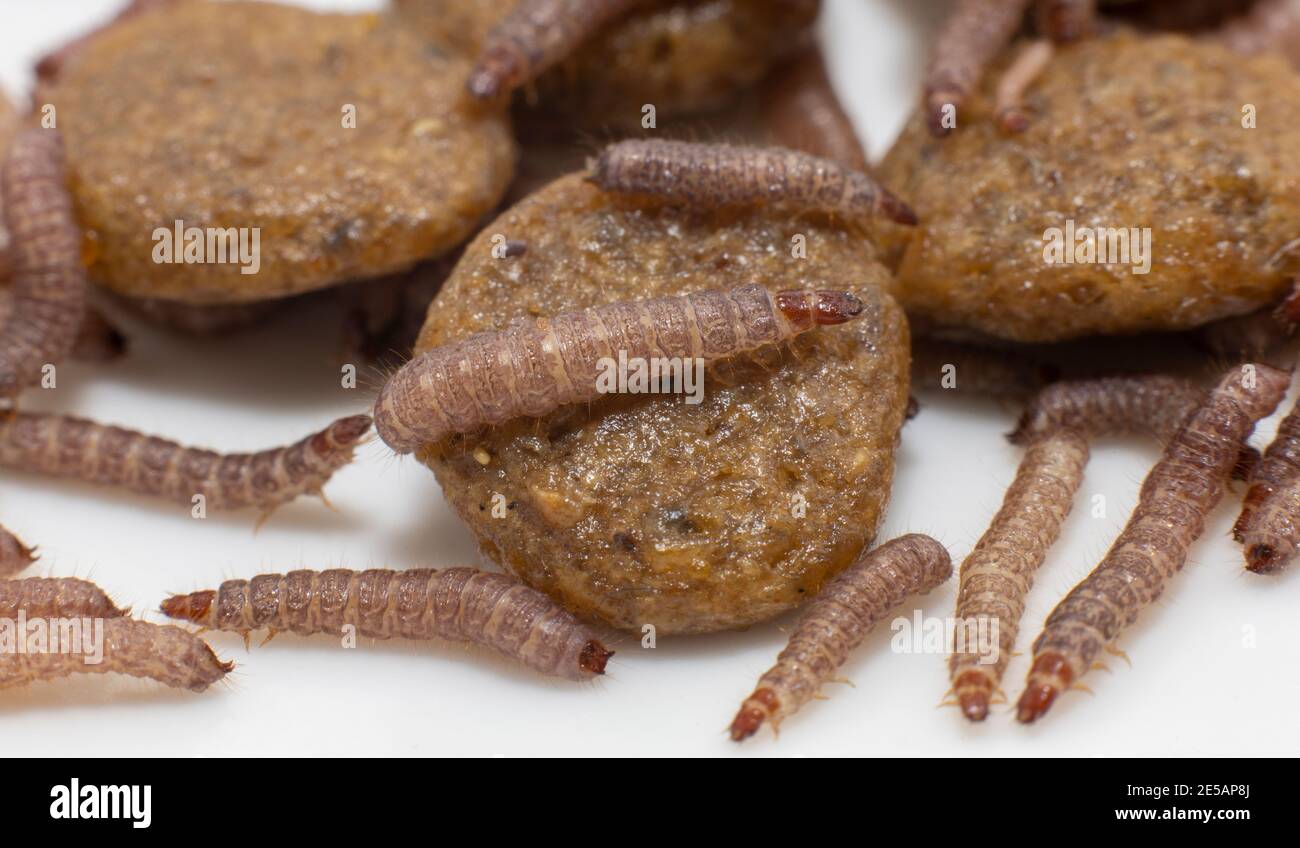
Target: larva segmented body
1155,405
998,573
801,110
1032,60
55,597
160,652
48,286
837,621
973,34
1176,496
1267,526
718,175
530,369
63,446
457,604
535,36
14,555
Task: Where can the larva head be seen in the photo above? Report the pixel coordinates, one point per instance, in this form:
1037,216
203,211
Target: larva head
192,607
347,432
1264,558
1049,677
973,689
805,308
753,713
593,657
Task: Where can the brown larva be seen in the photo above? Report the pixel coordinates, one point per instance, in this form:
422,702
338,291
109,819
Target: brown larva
976,370
14,555
997,575
973,34
1065,20
718,175
1267,526
837,621
458,604
535,36
530,369
1176,496
98,340
48,286
63,446
1154,405
164,653
55,597
802,112
1032,60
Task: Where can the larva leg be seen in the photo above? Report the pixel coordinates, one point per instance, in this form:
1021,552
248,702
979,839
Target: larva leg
1065,20
55,597
801,111
970,38
74,448
98,340
458,604
997,575
1033,59
837,621
1176,496
14,555
528,370
164,653
48,286
1267,526
720,175
534,37
977,370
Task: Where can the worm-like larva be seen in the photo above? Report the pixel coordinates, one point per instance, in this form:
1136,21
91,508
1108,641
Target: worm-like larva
14,555
98,340
801,111
158,652
973,34
48,286
530,369
1267,526
1154,405
1176,496
1032,60
717,175
63,446
837,621
1065,20
458,604
1262,334
55,597
975,370
534,37
997,575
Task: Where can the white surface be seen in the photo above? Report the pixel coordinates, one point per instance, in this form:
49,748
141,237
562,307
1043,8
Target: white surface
1195,686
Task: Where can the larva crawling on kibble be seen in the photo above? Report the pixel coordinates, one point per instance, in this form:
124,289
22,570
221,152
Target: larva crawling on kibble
74,448
530,369
837,621
1269,524
710,176
161,652
1175,498
48,283
56,597
457,604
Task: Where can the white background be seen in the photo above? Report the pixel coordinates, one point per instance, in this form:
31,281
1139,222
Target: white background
1195,686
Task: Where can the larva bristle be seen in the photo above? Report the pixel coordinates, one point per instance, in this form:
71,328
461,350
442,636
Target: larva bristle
493,377
710,176
837,621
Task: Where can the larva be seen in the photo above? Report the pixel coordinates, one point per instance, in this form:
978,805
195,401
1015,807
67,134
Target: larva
98,340
802,112
48,286
1176,496
458,604
1065,20
1032,60
1267,524
160,652
997,575
55,597
718,175
973,34
74,448
528,370
977,370
837,621
14,555
1261,334
1154,405
535,36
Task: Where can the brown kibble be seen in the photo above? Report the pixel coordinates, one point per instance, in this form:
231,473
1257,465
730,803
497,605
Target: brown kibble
457,604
